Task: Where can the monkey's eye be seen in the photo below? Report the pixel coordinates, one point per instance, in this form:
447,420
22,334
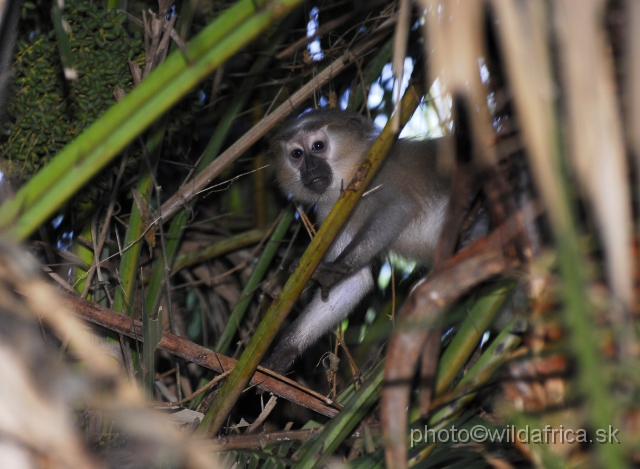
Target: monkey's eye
319,145
297,153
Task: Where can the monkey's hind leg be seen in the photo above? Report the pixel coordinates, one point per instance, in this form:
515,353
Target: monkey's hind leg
319,317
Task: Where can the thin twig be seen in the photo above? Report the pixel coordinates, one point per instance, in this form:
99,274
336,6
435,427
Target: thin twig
103,233
204,388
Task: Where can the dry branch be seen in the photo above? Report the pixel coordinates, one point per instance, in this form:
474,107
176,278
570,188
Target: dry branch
181,347
228,443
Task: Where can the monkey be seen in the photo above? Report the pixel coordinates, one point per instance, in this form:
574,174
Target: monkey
403,211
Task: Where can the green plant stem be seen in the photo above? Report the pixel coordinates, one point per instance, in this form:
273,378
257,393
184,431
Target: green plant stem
491,359
223,246
135,230
479,374
254,280
159,274
86,255
371,73
480,315
315,451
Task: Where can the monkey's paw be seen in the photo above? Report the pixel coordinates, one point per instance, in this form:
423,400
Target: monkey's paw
294,265
327,274
281,360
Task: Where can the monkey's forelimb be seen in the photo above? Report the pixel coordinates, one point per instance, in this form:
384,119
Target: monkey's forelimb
320,316
386,214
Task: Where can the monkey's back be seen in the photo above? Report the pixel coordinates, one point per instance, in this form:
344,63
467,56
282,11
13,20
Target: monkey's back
409,184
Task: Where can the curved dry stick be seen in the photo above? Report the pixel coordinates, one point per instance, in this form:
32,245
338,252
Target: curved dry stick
480,261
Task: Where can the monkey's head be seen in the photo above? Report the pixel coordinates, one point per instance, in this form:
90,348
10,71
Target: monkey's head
317,154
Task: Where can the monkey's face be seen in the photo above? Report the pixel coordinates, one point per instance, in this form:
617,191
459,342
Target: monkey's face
309,154
316,155
305,165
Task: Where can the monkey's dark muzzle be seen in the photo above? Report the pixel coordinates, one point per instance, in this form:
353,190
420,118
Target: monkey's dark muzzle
317,184
315,174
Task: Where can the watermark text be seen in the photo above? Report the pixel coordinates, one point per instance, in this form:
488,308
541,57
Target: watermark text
513,434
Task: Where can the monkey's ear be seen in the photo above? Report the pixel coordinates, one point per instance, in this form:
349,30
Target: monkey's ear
275,150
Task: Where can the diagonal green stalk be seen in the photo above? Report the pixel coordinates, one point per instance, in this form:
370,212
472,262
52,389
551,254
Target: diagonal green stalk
219,248
479,375
58,181
152,333
315,452
159,275
246,89
254,280
84,254
482,370
266,331
133,237
152,316
480,315
372,72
